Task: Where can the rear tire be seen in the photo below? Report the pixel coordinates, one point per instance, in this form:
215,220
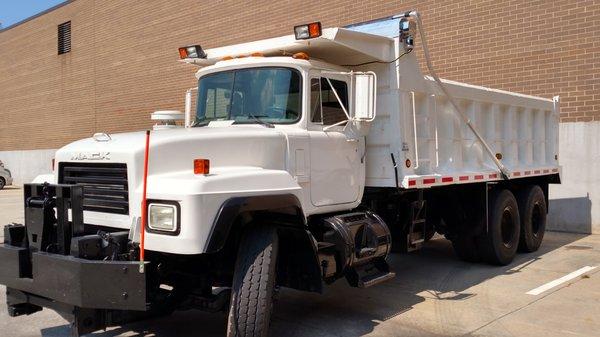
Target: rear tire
253,283
2,183
533,210
498,245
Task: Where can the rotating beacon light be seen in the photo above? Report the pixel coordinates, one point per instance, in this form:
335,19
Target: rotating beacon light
405,34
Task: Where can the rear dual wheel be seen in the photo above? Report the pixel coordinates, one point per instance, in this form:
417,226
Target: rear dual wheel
513,224
498,240
533,210
498,244
493,241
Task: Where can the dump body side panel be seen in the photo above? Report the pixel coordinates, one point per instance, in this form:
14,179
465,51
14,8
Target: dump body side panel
419,140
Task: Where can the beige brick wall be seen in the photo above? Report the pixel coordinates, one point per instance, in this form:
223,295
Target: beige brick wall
123,64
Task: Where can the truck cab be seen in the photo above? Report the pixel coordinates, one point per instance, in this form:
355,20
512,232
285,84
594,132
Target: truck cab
294,98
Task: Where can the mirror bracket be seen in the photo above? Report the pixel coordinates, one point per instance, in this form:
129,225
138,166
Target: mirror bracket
188,107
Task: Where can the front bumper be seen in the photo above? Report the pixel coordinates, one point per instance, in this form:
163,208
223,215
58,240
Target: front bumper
73,281
9,181
92,280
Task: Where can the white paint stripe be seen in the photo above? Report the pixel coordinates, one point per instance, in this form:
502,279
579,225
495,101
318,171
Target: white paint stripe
560,281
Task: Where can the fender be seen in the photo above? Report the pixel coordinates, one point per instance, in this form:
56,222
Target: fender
299,261
287,205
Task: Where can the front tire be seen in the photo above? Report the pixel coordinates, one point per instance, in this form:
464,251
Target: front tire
253,283
2,183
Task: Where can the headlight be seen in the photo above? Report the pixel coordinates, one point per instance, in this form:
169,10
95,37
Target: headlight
162,217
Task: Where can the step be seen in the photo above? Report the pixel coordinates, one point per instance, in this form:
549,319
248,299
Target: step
371,280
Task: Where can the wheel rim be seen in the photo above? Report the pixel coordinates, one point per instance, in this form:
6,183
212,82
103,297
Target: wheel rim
536,219
507,227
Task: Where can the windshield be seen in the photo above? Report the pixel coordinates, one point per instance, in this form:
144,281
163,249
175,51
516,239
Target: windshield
254,95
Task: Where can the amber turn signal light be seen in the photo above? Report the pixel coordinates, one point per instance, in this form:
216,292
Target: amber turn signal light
201,166
301,56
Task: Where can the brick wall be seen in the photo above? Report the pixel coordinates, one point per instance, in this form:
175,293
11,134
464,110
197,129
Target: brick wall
123,64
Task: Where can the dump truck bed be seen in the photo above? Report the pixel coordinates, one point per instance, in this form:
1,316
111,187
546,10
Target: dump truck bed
418,140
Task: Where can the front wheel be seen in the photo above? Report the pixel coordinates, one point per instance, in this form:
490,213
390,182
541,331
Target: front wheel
253,283
2,183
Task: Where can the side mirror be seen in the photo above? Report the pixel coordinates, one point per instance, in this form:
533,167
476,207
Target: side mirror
365,93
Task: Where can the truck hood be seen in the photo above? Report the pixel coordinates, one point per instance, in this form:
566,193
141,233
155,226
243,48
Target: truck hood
244,159
174,150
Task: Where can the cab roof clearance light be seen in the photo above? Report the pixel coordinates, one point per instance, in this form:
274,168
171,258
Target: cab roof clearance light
301,56
309,31
192,52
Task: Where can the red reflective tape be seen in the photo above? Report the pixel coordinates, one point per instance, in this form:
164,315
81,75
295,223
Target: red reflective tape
536,172
527,173
447,179
429,181
412,182
517,174
479,177
546,171
554,170
463,178
493,176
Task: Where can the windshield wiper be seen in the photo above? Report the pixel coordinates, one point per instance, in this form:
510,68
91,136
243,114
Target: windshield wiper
199,123
261,122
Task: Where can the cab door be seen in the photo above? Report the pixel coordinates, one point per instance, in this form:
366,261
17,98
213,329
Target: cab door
335,162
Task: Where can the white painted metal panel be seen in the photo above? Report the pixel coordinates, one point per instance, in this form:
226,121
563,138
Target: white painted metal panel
430,142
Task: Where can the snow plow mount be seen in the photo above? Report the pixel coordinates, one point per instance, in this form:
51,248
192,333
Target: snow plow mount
53,261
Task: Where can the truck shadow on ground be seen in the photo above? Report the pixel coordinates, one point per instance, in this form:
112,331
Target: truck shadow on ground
433,272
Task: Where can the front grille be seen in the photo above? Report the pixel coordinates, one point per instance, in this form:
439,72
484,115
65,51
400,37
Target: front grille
104,185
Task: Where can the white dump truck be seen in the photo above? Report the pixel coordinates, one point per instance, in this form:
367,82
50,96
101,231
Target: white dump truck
298,161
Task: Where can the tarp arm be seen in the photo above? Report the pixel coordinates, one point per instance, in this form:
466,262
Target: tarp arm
503,170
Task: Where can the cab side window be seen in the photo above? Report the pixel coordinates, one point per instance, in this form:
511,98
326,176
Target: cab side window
325,107
315,101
